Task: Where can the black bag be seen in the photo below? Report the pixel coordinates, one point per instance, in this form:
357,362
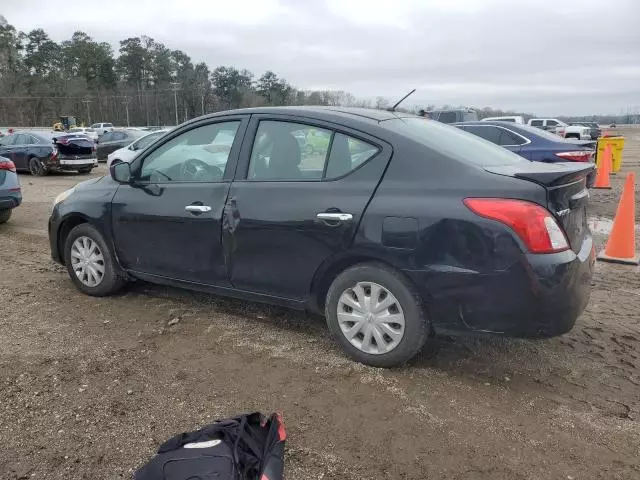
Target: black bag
247,447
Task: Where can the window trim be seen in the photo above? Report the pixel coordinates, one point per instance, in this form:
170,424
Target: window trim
527,141
242,169
232,161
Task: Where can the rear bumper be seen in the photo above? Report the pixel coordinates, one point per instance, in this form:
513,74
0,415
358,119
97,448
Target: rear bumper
77,163
541,296
10,200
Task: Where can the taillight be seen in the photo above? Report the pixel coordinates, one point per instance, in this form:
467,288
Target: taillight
576,156
534,224
54,155
7,165
560,132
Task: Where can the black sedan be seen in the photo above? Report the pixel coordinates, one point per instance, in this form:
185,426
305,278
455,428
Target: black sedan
41,153
398,227
114,140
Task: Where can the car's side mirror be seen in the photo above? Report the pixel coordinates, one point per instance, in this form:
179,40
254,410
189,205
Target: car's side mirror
120,171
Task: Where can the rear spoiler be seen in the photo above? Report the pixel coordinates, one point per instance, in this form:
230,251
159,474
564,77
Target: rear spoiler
546,174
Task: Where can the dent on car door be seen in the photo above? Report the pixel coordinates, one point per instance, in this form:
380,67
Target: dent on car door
292,207
167,222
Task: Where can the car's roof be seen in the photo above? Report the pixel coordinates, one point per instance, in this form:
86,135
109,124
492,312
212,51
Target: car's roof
344,113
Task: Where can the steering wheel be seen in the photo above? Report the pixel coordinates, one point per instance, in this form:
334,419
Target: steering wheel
195,169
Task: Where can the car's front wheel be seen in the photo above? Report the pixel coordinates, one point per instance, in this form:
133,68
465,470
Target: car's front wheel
90,263
376,315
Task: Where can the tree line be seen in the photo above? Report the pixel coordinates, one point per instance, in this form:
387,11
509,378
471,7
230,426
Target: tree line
141,84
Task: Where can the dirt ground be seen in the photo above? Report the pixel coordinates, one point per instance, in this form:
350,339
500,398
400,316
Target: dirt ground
89,387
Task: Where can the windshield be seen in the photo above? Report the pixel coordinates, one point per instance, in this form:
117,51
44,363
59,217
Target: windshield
452,141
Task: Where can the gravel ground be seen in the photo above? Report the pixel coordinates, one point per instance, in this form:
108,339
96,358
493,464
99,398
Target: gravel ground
89,387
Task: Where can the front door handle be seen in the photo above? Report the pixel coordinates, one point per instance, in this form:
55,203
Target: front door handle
335,217
198,208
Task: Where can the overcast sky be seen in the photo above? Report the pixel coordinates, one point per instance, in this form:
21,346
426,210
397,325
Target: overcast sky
542,56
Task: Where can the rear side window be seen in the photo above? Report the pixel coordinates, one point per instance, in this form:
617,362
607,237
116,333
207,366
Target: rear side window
488,133
507,137
448,117
452,142
552,123
536,123
299,152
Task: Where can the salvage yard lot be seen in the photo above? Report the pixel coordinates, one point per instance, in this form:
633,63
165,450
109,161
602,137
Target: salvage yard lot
89,387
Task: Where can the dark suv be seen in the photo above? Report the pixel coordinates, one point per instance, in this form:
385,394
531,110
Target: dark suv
393,225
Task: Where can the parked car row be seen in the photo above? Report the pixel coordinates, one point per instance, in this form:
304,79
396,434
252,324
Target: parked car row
392,225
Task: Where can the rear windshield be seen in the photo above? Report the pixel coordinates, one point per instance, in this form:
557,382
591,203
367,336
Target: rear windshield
452,141
539,132
107,125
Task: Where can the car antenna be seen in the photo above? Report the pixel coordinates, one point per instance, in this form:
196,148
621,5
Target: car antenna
393,109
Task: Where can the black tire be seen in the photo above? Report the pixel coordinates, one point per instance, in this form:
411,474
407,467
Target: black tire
5,215
113,279
416,322
84,170
37,168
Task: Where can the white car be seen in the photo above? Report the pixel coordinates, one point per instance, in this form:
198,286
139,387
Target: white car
561,128
513,119
129,152
88,131
102,128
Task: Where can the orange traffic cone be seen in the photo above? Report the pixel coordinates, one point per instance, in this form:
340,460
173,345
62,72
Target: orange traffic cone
621,246
604,169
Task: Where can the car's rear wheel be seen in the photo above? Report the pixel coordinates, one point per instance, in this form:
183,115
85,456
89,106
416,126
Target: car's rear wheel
36,167
5,215
376,315
90,263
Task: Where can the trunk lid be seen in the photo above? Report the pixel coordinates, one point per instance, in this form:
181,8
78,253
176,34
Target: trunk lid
567,192
70,146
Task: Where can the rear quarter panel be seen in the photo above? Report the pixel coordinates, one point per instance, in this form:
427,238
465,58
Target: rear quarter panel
446,248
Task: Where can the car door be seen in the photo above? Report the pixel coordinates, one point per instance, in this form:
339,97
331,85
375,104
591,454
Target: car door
6,147
115,141
19,151
293,207
167,221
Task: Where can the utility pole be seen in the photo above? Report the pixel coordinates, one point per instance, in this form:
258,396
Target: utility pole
125,102
86,101
175,86
202,102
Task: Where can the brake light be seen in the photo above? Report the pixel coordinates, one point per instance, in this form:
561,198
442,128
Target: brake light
576,156
54,155
560,132
7,165
534,224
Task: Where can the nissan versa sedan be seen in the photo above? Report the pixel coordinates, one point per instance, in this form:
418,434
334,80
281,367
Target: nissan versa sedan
397,228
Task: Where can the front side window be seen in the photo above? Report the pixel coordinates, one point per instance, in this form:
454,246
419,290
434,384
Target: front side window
107,137
552,123
536,123
298,152
198,155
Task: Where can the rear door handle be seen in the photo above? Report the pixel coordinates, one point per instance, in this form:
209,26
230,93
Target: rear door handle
198,208
335,217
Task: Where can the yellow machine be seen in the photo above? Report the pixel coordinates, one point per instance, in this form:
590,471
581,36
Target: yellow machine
66,122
